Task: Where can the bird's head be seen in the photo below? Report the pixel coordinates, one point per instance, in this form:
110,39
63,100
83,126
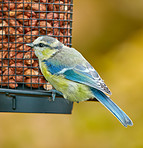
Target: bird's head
45,46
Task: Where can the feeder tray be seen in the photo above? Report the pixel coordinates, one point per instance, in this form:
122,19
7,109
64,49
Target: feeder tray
22,85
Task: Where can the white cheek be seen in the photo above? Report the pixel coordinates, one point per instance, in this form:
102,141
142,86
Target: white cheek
38,54
38,51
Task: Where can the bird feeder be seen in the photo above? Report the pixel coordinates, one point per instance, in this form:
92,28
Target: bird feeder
22,85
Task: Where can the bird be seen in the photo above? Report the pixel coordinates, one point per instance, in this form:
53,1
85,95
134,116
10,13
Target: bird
73,76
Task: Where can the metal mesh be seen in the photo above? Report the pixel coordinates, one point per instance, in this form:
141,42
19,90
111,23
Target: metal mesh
21,22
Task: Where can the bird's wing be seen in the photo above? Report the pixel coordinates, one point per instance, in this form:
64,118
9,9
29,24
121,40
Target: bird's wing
84,74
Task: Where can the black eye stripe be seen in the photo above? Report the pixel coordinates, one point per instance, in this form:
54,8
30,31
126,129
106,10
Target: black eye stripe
42,45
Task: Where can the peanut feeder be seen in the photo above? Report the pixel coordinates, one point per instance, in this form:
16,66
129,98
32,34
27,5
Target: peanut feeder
22,85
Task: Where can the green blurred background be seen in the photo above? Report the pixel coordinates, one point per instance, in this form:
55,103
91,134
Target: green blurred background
110,35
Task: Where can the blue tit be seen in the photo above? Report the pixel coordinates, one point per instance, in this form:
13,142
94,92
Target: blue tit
73,76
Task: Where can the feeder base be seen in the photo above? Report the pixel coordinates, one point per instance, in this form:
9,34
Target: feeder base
30,104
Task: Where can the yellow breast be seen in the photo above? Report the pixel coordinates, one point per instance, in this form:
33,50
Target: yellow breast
56,81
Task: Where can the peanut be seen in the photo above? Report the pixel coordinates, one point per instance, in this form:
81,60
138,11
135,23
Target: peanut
41,15
2,34
29,62
47,86
36,7
7,74
15,12
15,45
5,44
19,40
19,78
23,48
27,29
10,5
45,25
23,19
14,23
19,57
59,5
34,82
5,62
68,15
22,5
30,72
11,31
35,65
30,13
32,35
2,82
4,67
18,67
51,7
3,24
12,83
29,55
52,16
5,53
10,53
32,22
28,58
1,55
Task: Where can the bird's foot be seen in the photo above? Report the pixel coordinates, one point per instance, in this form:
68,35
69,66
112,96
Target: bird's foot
54,92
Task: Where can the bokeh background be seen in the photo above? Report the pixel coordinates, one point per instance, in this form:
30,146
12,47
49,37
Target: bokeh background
110,35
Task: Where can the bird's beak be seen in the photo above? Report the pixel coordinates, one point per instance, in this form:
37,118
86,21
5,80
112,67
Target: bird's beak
30,44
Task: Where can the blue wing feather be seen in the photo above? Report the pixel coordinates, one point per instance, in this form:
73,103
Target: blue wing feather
79,77
53,69
84,74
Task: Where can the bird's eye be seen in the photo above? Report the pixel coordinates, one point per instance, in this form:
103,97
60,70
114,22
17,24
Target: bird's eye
41,45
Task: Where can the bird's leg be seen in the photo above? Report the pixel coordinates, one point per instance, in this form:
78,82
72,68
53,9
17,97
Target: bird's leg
53,96
54,92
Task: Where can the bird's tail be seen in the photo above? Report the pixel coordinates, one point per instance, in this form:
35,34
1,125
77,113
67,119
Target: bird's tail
111,106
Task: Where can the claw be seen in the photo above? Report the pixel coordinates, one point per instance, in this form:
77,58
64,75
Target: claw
54,92
53,96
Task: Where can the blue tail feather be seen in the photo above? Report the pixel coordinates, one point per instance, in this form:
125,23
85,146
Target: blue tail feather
111,106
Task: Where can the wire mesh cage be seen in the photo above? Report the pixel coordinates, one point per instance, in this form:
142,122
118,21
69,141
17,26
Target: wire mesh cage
21,22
